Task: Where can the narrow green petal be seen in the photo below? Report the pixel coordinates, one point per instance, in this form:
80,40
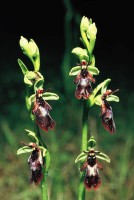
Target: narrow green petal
81,156
106,158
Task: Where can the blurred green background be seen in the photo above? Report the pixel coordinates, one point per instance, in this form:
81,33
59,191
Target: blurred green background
54,26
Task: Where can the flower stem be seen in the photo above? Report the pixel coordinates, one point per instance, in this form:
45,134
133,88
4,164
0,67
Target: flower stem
44,180
81,190
44,187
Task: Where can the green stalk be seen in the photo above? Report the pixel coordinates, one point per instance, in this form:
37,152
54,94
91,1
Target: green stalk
44,186
81,190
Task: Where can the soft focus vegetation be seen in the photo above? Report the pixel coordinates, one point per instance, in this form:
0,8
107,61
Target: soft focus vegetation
64,143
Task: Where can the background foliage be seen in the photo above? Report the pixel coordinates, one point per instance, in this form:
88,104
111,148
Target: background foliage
56,35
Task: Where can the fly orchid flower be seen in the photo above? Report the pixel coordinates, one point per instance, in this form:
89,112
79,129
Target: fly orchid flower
107,113
41,111
35,161
83,82
91,165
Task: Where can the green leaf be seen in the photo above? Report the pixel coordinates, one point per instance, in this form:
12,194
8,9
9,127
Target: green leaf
50,96
24,149
75,70
22,66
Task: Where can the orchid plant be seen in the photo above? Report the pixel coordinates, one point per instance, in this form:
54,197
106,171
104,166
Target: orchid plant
100,95
39,112
86,91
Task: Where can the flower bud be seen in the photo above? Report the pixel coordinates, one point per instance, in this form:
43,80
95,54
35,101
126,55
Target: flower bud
84,23
29,48
92,31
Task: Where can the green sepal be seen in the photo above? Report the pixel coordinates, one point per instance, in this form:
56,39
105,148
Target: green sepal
101,85
44,150
91,142
22,66
50,96
81,53
112,97
24,149
29,77
93,70
104,86
75,70
31,99
97,100
92,98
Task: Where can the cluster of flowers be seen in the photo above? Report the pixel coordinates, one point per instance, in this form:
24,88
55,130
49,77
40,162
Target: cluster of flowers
84,72
39,108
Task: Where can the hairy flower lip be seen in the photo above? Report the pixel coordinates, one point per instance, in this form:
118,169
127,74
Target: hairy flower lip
83,82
